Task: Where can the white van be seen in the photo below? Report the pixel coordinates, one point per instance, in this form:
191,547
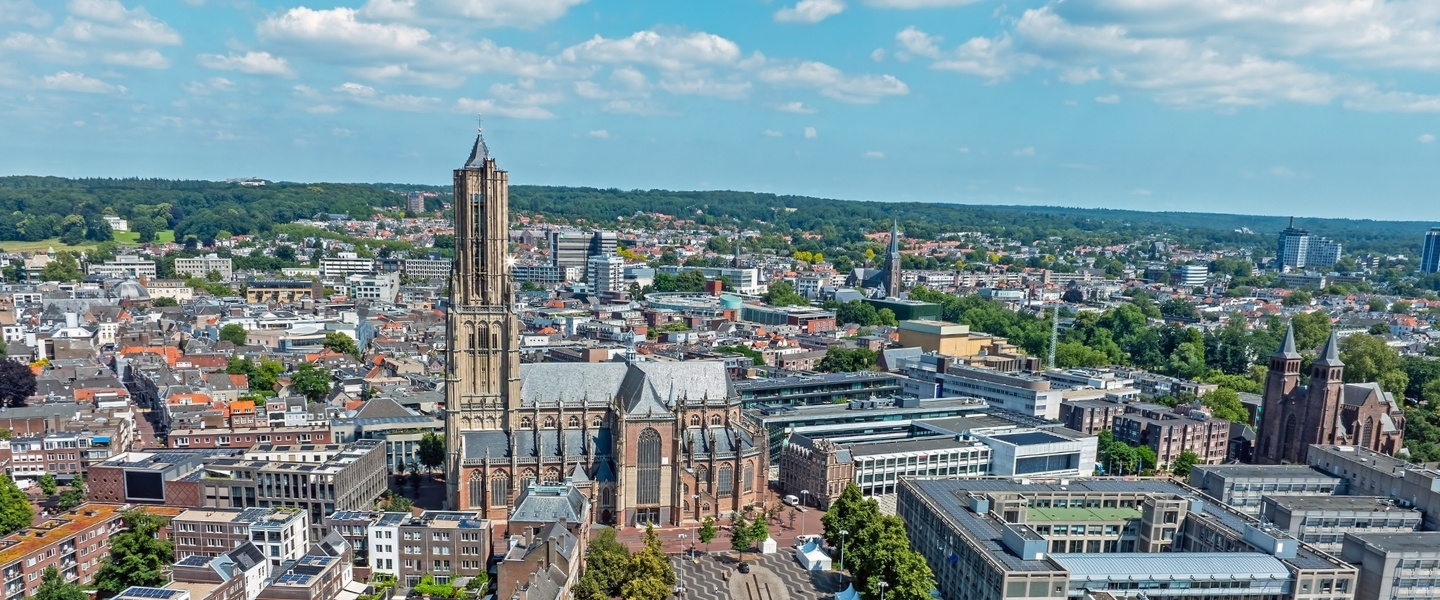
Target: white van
791,500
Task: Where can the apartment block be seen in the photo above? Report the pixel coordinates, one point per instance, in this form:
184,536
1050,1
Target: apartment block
73,542
442,544
1394,565
202,266
280,533
1171,432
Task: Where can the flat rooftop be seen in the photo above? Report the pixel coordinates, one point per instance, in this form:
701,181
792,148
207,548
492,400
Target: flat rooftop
1173,566
1080,515
921,444
1264,472
1419,541
1030,438
1373,504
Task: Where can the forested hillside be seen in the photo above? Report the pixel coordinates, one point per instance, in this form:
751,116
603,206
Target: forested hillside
38,208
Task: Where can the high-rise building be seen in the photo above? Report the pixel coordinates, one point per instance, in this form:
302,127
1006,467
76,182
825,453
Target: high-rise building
605,273
1430,255
1298,249
576,248
645,441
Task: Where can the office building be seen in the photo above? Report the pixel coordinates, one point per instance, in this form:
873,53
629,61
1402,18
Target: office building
125,266
1323,521
334,268
1190,275
605,273
1242,487
318,478
576,248
283,291
1430,253
1298,249
1394,565
1022,393
1369,473
808,320
381,287
744,281
544,275
988,539
202,266
860,416
1324,411
426,268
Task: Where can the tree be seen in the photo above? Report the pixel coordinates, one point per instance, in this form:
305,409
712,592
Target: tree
137,556
73,496
340,343
651,576
1379,329
1311,330
1376,305
165,301
52,587
394,503
1369,358
1400,307
15,510
1145,457
1224,403
607,565
781,293
17,382
1298,298
233,333
707,530
432,450
842,360
754,354
311,381
1183,463
47,484
850,512
741,535
65,267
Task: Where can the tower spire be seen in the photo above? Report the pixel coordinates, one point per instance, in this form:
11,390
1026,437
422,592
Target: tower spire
480,152
1287,348
1330,355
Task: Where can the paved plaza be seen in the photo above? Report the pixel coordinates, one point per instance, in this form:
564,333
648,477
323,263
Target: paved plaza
775,576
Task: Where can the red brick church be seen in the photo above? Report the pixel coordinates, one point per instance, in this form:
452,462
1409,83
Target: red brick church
1325,410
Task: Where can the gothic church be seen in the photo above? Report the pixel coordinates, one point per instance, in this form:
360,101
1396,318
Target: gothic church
647,441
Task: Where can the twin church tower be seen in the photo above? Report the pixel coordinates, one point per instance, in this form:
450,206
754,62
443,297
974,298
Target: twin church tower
646,441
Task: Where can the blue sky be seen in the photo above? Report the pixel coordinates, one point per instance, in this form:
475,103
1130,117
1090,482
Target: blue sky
1304,107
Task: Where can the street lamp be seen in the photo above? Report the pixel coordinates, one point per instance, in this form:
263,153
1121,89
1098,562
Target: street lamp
805,500
882,585
683,537
843,533
694,538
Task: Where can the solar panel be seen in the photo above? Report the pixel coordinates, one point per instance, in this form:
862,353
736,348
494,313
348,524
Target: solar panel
139,592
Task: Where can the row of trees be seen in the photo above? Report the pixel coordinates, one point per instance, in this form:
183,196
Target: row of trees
877,549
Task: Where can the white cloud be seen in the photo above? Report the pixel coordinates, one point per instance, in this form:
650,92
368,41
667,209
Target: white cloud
963,150
1140,192
66,81
1026,151
522,13
490,107
368,96
339,36
600,134
874,154
652,48
810,133
809,11
1426,138
877,55
995,58
799,108
772,133
148,58
831,82
402,74
214,84
707,87
252,63
1281,171
23,11
110,21
919,43
45,48
1108,99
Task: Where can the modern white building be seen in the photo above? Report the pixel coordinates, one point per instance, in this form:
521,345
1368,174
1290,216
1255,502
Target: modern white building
125,265
745,281
344,265
201,266
382,287
1025,394
605,273
1039,452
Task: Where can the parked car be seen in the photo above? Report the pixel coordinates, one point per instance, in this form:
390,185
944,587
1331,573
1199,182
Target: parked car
744,567
791,500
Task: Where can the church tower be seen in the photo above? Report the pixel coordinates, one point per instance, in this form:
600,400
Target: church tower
892,262
1275,416
1326,389
482,377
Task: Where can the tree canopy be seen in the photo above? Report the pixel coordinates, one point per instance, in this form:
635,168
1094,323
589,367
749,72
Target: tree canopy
137,556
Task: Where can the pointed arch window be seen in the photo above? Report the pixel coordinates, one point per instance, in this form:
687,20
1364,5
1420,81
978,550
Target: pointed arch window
499,489
725,480
574,422
525,422
648,462
549,422
714,419
694,420
477,489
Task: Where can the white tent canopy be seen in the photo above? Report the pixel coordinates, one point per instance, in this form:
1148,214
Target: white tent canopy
848,593
812,557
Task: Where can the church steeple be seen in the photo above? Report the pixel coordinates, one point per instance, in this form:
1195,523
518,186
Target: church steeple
1330,355
892,261
480,152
